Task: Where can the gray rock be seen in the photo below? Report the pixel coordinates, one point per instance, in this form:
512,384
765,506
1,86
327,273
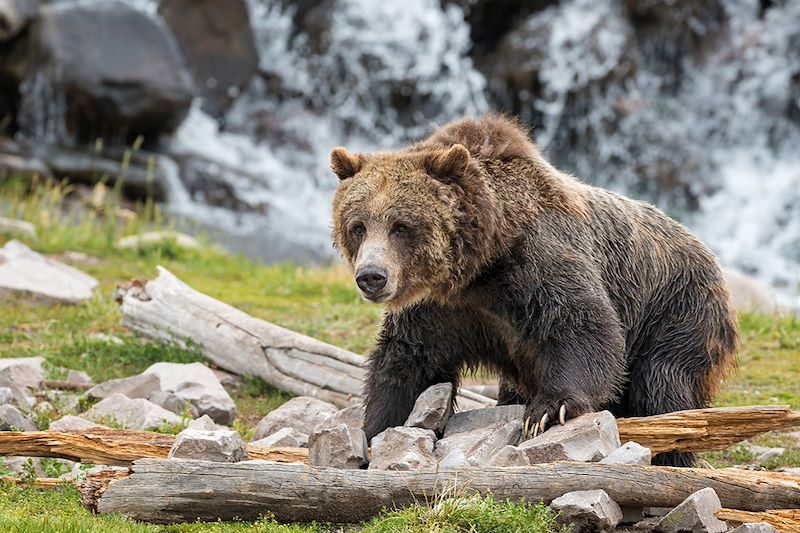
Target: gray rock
763,453
481,418
132,413
12,419
6,395
43,408
695,514
509,456
65,401
24,371
43,466
231,382
204,423
171,402
477,446
631,515
433,408
286,437
352,417
587,438
79,377
338,447
630,453
794,471
141,386
155,238
74,423
403,448
198,385
20,396
587,511
28,273
761,527
221,446
303,414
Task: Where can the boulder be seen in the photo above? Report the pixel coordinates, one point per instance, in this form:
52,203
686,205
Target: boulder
509,456
302,413
15,15
482,418
433,408
352,417
23,271
761,527
476,446
139,386
12,419
630,453
587,511
10,226
590,437
286,437
132,414
74,423
695,514
16,394
171,402
403,448
23,371
749,293
196,383
113,72
79,377
764,453
156,238
204,423
338,447
217,43
221,446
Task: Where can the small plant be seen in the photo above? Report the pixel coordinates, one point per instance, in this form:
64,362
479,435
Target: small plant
29,474
4,470
52,467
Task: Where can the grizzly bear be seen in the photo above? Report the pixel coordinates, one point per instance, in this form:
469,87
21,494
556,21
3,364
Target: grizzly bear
486,256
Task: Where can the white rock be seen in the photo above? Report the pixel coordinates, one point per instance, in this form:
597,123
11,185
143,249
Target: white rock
171,402
338,447
477,446
587,438
482,418
352,417
696,514
748,293
509,456
587,511
23,371
403,448
151,238
74,423
23,271
204,423
284,437
12,419
139,386
197,384
433,408
221,446
20,228
79,377
763,453
630,453
302,413
20,396
133,414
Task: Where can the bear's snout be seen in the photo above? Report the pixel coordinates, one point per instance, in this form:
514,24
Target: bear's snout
371,280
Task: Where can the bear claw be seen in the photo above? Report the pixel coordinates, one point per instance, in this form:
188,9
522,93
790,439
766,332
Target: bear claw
530,431
562,414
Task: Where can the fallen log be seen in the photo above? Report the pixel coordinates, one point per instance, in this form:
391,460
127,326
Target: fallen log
184,491
168,309
115,446
784,520
38,483
65,385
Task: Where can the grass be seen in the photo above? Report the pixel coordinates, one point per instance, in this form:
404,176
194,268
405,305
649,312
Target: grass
320,302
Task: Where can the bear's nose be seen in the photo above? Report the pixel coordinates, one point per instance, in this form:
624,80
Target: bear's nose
371,279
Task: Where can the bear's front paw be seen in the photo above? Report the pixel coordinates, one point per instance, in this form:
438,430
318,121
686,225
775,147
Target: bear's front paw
544,412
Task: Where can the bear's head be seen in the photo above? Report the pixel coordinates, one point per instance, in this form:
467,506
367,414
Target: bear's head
407,222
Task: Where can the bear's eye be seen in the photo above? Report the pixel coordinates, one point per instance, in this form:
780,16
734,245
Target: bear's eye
358,230
400,230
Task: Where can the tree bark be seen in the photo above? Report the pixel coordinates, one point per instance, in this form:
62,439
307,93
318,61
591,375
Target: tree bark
784,520
184,491
168,309
116,447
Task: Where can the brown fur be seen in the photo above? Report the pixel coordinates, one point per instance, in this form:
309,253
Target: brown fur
575,295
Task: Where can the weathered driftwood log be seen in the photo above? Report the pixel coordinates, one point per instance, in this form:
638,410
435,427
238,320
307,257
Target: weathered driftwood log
784,520
184,491
116,446
699,430
166,308
65,385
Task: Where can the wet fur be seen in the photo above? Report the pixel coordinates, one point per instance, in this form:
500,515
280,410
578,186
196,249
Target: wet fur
573,294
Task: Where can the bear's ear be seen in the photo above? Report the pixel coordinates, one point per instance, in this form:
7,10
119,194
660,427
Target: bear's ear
448,165
344,164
